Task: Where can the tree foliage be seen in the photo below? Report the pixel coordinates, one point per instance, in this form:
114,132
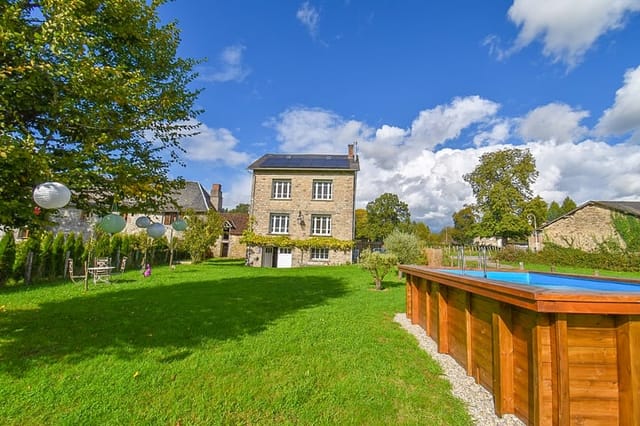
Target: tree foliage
201,233
407,247
386,213
92,94
464,222
378,264
362,224
7,256
501,185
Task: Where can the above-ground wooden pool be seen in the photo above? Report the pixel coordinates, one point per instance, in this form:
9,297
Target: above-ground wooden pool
550,353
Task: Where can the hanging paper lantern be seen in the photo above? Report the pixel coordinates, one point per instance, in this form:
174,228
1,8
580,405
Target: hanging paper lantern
179,225
51,195
156,230
113,223
143,222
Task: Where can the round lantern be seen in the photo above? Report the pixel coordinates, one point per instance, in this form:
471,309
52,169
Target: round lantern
179,225
113,223
51,195
143,222
155,230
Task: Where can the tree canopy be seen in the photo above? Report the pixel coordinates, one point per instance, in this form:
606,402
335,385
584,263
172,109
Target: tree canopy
93,95
464,222
386,213
501,184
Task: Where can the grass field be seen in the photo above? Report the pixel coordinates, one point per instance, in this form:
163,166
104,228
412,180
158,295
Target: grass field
217,343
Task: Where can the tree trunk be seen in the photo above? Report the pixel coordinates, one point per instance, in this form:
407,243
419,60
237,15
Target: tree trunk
378,283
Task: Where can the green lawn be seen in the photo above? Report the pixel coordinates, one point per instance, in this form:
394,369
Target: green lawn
217,343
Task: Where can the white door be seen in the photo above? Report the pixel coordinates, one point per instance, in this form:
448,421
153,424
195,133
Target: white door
284,257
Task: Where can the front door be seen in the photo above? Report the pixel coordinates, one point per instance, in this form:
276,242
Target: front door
284,257
267,257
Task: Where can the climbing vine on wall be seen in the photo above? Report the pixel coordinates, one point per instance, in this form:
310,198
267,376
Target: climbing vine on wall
628,227
251,239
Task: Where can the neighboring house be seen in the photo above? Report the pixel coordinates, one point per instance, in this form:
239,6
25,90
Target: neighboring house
229,245
300,197
192,197
588,226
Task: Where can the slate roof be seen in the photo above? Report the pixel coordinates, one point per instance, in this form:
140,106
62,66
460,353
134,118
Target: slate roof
192,196
305,162
238,221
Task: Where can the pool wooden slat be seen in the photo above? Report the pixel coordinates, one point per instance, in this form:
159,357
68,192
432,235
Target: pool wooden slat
548,357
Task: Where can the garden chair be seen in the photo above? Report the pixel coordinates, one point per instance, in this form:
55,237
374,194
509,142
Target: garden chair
70,270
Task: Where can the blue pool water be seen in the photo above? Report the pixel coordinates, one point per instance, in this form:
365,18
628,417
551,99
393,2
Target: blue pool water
551,281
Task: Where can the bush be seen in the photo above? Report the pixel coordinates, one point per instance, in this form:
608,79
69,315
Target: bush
378,264
7,256
407,247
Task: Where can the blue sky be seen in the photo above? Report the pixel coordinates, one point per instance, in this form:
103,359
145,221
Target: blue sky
425,88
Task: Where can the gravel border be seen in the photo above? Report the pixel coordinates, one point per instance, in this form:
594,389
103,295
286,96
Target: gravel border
478,400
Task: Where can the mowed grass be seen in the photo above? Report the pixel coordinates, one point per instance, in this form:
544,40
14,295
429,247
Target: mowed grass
217,343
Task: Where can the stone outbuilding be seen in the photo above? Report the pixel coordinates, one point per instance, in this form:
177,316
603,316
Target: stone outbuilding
589,225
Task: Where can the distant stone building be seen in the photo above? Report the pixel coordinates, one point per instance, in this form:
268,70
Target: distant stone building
587,226
300,197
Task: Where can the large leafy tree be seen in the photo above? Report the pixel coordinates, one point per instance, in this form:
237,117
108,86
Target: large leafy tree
92,94
464,221
362,228
501,184
386,213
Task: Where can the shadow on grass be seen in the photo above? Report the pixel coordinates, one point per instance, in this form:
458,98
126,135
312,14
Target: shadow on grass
175,318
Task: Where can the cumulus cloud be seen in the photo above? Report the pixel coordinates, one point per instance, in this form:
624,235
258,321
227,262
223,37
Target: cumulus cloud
554,121
309,17
567,28
316,130
624,115
229,67
414,164
214,145
499,133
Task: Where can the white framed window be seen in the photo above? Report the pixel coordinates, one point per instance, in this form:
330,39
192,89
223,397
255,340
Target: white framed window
320,225
322,190
319,253
279,224
281,189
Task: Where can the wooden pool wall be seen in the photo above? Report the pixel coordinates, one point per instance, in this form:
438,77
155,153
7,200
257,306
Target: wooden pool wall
549,358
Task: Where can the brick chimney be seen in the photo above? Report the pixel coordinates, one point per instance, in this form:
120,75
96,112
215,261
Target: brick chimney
350,152
216,196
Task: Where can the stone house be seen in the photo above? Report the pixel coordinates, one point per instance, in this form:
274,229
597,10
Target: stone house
193,196
300,197
587,226
229,244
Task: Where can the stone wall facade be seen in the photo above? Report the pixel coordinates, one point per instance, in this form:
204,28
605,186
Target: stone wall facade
300,208
585,229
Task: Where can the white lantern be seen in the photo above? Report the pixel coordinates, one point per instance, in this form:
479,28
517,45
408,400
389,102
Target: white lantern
143,222
156,230
113,223
51,195
179,225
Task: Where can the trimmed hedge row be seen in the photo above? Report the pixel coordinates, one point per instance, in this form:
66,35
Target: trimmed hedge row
604,258
42,257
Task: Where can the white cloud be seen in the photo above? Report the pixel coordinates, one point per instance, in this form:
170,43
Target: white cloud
624,115
567,28
229,68
214,145
499,133
309,17
554,121
407,163
316,130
